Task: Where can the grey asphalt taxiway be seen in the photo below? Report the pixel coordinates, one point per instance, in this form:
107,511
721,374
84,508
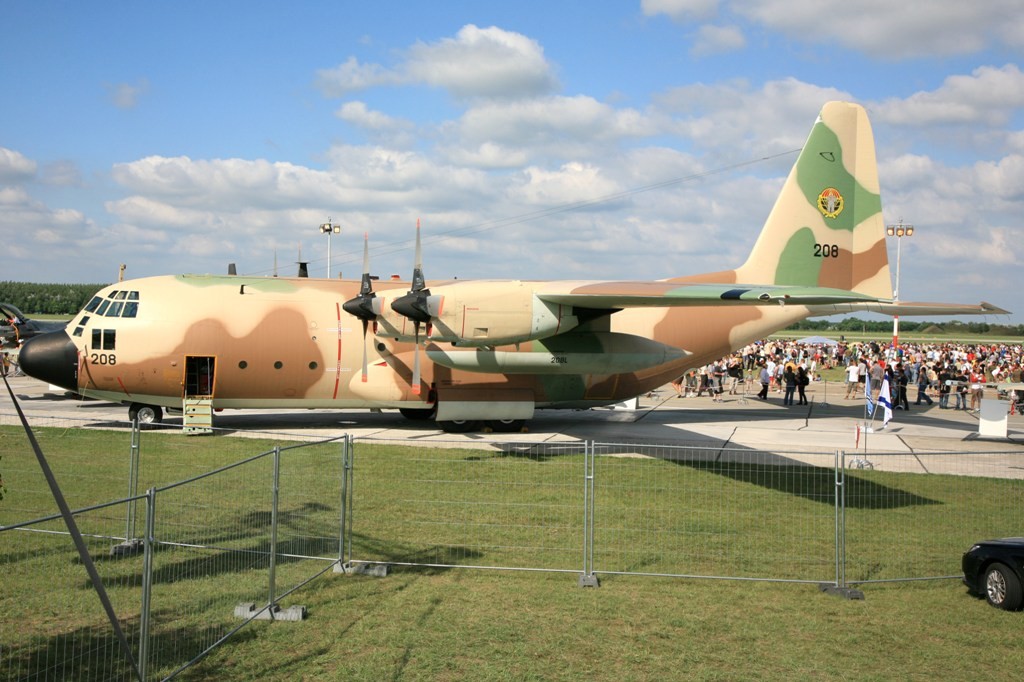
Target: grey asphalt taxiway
828,423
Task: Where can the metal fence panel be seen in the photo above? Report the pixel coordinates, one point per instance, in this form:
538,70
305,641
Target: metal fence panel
692,511
59,630
912,516
496,506
211,552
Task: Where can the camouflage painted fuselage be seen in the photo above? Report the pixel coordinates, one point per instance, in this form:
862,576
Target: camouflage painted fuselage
287,343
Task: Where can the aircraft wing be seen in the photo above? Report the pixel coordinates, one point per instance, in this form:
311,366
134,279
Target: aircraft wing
606,295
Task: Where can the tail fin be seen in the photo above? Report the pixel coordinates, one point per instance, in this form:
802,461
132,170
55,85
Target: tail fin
826,228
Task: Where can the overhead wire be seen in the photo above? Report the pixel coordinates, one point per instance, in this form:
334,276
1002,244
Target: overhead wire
402,245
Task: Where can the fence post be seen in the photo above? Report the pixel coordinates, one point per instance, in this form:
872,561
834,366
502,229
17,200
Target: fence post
276,488
147,581
345,527
133,480
840,588
587,578
840,507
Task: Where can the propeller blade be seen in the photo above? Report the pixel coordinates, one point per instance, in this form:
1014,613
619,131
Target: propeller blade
415,305
366,323
416,361
418,281
364,305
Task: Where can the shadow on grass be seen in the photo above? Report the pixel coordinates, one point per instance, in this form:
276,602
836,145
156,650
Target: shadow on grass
815,483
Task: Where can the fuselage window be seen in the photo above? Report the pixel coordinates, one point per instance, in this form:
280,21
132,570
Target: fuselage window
115,309
133,295
119,295
131,309
91,305
103,308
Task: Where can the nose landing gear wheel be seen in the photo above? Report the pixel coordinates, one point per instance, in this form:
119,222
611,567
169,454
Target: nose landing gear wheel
146,414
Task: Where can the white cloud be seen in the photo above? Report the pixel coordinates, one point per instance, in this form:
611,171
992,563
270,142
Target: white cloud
883,28
483,62
681,10
32,232
357,113
736,120
126,95
552,126
477,62
712,39
230,182
989,96
352,76
572,183
877,28
15,167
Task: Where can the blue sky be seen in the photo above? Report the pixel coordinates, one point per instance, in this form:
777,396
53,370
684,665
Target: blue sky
179,137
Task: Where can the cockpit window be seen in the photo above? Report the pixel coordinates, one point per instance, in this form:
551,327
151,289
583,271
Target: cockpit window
117,303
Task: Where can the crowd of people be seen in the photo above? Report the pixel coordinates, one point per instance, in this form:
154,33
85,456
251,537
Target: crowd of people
956,375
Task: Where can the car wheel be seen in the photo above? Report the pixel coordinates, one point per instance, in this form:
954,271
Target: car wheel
1002,587
146,414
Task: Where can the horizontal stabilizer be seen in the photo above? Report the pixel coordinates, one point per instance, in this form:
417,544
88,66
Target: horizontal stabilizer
910,308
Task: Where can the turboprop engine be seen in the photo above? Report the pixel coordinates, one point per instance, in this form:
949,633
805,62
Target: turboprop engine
478,314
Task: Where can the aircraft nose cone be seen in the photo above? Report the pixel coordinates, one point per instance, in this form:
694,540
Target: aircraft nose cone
52,358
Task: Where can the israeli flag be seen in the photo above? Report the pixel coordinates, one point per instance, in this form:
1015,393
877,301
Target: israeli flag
885,400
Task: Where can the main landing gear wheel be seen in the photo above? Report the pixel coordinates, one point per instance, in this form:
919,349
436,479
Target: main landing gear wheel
459,425
146,414
505,425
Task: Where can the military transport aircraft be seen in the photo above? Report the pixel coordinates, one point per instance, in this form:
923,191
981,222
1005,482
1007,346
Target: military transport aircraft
465,352
15,327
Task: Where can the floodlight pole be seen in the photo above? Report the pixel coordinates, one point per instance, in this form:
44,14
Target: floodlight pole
329,229
899,230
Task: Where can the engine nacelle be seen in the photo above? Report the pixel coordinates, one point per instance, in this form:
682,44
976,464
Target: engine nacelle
481,313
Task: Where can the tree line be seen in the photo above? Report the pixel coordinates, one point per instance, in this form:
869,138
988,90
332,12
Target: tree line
48,299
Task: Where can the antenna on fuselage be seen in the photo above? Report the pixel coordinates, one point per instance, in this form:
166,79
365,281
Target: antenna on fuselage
303,265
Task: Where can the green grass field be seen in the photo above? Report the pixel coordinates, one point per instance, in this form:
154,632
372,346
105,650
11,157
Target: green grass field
461,624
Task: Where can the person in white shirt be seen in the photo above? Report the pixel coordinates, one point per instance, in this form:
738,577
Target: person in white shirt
852,379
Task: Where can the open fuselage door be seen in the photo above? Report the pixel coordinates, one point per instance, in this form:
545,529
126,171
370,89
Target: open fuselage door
197,400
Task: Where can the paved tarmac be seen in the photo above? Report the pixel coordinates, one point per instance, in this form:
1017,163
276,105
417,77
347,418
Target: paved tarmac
827,424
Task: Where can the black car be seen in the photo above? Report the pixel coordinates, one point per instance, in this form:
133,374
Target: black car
995,569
